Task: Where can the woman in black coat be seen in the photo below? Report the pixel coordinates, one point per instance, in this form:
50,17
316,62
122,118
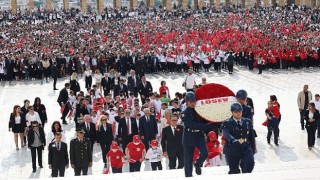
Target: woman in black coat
104,136
41,109
311,116
17,125
74,84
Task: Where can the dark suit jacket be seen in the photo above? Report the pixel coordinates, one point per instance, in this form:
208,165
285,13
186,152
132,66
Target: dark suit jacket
63,96
145,90
31,135
172,144
42,112
148,129
12,121
131,83
313,124
54,71
117,90
122,128
80,153
58,158
106,84
92,134
105,137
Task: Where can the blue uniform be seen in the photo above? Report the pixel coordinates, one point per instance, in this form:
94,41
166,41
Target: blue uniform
193,136
247,112
240,145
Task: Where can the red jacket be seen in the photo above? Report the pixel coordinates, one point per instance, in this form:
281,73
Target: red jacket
164,89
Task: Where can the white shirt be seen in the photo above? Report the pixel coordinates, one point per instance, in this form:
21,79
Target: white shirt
34,117
157,104
317,103
72,99
154,155
98,78
190,81
17,119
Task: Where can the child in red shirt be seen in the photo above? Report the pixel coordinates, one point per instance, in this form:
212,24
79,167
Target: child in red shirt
136,153
114,157
214,150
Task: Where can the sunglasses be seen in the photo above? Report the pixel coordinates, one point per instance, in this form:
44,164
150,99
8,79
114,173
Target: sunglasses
34,126
103,119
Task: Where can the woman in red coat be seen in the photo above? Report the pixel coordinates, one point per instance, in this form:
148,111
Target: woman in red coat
164,88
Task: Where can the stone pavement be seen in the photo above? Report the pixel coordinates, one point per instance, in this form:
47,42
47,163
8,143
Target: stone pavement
284,84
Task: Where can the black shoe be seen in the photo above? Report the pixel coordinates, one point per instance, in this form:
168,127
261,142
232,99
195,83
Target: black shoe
55,89
318,136
34,170
302,128
268,142
41,166
65,122
105,165
277,144
198,169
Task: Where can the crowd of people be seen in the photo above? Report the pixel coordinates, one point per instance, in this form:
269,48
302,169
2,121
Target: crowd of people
152,41
119,110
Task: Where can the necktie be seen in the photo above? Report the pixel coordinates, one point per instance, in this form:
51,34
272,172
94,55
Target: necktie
239,125
58,146
128,127
147,118
174,131
134,82
88,129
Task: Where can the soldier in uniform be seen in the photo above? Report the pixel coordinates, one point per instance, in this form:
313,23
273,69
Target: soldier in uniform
240,138
193,136
242,99
80,153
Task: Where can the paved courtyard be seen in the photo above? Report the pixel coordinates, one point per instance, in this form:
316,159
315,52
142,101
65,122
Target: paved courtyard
285,85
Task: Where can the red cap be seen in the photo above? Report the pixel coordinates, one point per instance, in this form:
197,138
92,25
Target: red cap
154,143
114,145
212,135
136,138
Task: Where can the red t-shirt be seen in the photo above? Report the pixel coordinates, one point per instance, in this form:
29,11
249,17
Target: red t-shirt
115,158
135,151
213,149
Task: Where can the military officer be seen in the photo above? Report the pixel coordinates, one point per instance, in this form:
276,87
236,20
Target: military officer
80,153
240,138
242,99
193,136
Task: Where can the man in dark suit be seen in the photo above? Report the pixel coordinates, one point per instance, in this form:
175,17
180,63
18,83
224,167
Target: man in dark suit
80,153
127,128
58,159
62,100
133,82
90,130
144,88
148,128
121,87
106,84
171,143
36,143
54,74
104,137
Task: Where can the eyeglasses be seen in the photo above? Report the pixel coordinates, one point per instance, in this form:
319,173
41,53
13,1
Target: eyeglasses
34,126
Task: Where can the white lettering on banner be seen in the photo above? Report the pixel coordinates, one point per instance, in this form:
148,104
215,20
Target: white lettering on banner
216,100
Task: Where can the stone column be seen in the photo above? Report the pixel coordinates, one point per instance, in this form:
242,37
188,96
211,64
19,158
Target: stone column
273,3
201,4
195,4
211,2
66,4
266,3
83,5
227,3
258,3
49,5
282,3
100,6
313,3
150,3
116,3
184,4
243,4
31,5
14,6
168,5
133,4
297,2
318,3
249,5
235,3
218,4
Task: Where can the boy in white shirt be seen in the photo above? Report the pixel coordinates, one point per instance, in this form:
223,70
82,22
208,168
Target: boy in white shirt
154,155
